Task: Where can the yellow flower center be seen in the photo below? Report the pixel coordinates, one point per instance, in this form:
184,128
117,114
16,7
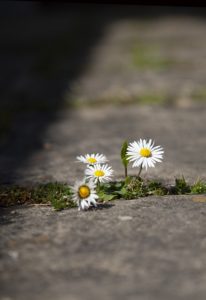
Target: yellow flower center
99,173
84,191
91,160
145,152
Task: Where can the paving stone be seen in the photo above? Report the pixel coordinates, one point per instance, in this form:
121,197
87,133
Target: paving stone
149,248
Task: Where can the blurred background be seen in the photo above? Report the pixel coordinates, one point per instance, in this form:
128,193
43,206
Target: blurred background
78,78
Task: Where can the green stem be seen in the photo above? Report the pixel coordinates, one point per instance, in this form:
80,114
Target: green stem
125,171
140,170
98,185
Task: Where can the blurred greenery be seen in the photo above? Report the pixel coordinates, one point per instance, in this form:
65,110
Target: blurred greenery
199,94
181,186
149,56
199,187
146,98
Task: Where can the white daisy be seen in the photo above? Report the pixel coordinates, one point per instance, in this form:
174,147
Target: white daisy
84,194
92,159
99,173
144,154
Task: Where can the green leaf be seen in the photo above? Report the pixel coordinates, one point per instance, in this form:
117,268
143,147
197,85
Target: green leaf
124,154
106,197
118,185
128,179
109,197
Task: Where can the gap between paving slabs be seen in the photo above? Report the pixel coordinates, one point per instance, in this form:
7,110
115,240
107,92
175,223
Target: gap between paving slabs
59,195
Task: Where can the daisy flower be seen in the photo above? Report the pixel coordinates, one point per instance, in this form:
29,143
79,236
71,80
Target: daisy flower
84,194
99,173
92,159
144,154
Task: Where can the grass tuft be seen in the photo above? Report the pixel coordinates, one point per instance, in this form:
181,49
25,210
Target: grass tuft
181,186
199,187
58,195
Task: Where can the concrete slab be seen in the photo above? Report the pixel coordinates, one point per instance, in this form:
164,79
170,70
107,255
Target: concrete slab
149,248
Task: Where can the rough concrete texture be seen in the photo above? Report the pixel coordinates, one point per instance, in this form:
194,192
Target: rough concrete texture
180,131
151,248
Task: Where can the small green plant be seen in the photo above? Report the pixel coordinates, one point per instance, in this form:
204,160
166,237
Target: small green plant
109,191
156,188
124,157
181,186
199,187
131,188
135,187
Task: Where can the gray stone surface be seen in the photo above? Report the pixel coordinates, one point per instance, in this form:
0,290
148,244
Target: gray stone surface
180,131
150,248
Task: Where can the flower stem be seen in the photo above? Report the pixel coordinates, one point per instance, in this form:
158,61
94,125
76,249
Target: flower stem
140,170
125,172
98,185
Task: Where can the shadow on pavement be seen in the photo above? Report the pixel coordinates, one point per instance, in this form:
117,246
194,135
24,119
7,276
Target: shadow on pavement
44,49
